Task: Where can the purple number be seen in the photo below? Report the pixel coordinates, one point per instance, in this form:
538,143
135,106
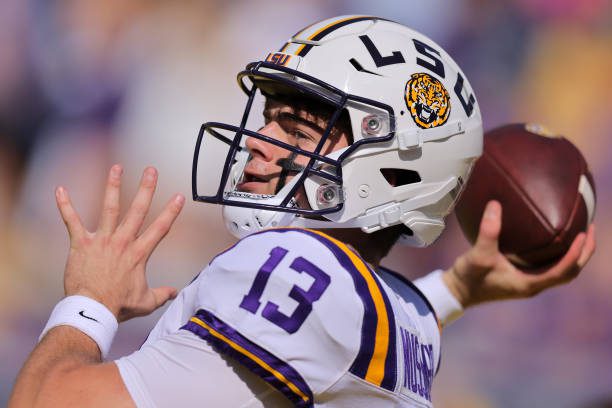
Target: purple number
304,298
250,301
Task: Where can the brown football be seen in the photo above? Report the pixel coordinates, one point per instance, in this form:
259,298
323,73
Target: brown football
544,185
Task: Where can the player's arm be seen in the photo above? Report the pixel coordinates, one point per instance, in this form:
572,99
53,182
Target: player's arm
108,266
483,273
65,370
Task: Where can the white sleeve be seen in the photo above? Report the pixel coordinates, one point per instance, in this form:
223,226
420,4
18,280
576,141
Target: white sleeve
446,306
180,369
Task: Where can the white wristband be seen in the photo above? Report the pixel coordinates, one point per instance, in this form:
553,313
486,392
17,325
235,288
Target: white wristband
87,315
446,306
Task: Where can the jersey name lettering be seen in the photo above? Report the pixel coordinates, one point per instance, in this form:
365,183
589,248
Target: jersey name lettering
418,365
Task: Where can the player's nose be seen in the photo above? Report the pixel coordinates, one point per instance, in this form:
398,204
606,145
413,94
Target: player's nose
262,149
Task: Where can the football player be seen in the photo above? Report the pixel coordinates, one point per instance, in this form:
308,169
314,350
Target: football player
367,132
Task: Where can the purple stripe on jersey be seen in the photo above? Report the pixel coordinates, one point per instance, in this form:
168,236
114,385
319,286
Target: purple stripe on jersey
366,351
425,300
276,363
370,319
390,378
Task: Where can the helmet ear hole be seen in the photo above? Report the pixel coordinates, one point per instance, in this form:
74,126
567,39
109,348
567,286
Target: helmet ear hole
400,177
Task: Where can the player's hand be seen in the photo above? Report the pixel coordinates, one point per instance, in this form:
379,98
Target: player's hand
484,274
108,265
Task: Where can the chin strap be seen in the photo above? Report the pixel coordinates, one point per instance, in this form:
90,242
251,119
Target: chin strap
288,165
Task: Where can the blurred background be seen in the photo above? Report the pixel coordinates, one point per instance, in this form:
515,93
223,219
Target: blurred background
85,84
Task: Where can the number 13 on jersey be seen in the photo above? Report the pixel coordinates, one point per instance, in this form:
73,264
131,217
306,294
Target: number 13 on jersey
304,297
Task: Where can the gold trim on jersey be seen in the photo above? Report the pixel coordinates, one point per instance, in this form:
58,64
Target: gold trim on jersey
376,367
279,376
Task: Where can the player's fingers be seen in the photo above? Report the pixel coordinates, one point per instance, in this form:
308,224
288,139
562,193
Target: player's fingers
490,227
110,206
140,205
158,229
69,215
563,271
163,294
589,247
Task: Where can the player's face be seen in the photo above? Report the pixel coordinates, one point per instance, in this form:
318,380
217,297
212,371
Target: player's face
264,172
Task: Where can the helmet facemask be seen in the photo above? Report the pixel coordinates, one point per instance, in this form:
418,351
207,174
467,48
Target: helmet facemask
278,186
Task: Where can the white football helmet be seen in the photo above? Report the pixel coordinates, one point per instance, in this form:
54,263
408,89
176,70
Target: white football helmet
411,110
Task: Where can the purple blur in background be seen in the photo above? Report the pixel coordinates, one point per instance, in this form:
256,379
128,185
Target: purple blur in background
85,84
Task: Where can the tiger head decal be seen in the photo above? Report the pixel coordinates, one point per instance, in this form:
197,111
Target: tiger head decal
427,100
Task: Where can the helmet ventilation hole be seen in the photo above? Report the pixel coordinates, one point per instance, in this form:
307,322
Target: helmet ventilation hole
400,177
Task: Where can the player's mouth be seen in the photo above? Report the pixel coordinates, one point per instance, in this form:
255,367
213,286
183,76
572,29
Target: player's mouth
255,183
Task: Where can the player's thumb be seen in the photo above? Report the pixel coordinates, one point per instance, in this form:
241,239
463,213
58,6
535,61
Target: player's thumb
163,294
490,227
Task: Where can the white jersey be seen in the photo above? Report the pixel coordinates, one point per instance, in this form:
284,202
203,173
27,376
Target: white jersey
303,312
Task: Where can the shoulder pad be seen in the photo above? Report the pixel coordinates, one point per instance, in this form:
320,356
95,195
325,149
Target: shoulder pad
300,299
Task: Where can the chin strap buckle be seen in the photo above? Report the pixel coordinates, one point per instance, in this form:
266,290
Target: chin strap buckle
383,217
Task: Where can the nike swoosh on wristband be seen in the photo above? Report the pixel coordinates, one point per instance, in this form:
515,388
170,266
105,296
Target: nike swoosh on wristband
81,313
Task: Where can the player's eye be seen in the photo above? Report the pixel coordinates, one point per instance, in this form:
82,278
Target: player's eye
298,134
303,140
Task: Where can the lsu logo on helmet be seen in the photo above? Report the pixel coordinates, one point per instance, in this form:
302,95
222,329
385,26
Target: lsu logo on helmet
427,100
